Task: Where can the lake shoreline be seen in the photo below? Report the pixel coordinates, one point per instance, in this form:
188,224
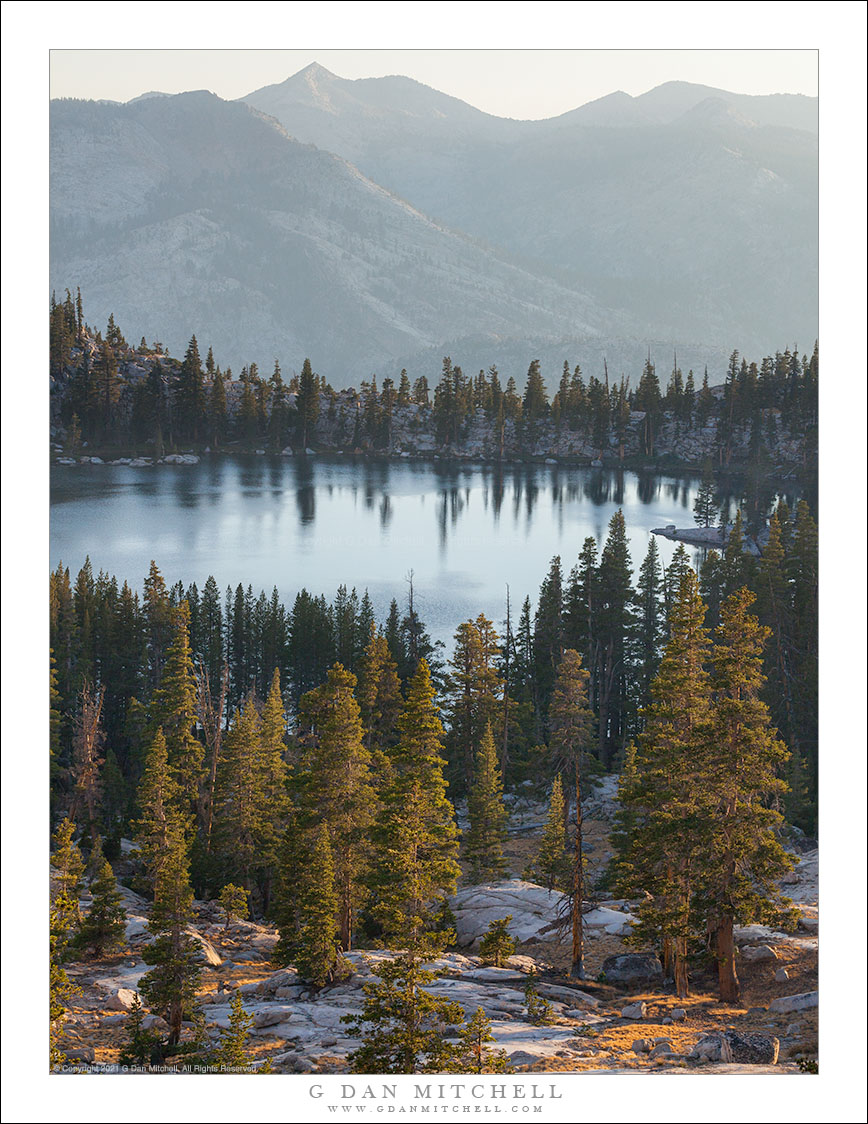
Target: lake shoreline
662,465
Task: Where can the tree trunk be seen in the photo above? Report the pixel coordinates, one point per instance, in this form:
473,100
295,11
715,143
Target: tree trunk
666,957
346,915
176,1007
727,976
577,968
682,984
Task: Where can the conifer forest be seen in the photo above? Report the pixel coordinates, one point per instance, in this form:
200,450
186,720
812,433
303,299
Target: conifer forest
433,600
304,767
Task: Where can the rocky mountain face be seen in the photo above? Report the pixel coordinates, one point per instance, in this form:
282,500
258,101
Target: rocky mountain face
684,220
689,207
190,214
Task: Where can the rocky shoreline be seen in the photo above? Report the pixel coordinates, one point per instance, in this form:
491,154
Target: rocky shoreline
445,457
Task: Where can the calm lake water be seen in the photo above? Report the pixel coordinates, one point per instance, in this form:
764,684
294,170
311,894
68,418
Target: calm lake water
466,532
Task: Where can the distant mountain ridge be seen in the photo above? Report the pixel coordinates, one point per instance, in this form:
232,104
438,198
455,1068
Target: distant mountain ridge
690,207
189,213
380,222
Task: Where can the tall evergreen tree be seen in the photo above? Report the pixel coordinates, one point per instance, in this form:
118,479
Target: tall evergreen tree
535,403
190,395
486,836
68,866
170,985
317,951
616,625
158,801
242,815
548,636
648,399
649,631
174,709
739,777
474,692
663,839
218,416
706,504
379,694
333,785
738,566
307,403
415,836
552,867
108,387
571,734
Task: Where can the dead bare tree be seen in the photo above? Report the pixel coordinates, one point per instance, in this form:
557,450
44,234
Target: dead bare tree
86,758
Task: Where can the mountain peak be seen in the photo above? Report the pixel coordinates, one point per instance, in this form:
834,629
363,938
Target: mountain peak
314,72
148,95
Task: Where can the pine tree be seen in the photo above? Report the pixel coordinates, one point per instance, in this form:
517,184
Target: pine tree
333,786
174,709
170,986
317,955
159,623
486,836
403,1027
104,927
141,1044
548,633
64,917
242,820
108,386
232,1055
275,777
581,609
739,777
711,586
158,807
474,1053
538,1010
60,990
415,836
738,566
571,724
535,403
662,840
474,691
706,504
552,867
672,578
649,630
69,868
379,695
648,399
217,411
616,625
190,395
307,403
233,900
497,945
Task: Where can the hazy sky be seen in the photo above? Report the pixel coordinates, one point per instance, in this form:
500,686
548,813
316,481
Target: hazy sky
508,83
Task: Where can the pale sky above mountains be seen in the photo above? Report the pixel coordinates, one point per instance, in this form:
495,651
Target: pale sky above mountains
508,83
